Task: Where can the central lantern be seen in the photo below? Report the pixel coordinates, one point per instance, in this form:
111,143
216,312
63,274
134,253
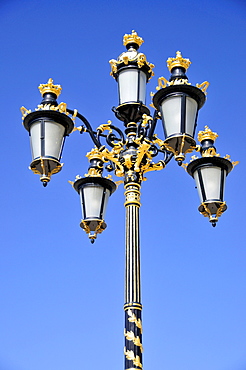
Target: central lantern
132,72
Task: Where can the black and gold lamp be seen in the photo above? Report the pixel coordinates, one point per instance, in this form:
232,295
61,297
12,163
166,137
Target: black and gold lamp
48,126
132,72
210,173
178,103
94,191
130,154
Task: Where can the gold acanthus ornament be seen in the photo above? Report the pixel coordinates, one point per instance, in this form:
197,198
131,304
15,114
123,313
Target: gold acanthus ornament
132,318
140,58
139,165
99,229
207,212
62,108
208,134
179,61
136,340
163,83
130,356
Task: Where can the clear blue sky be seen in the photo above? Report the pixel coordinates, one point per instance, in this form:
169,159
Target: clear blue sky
61,297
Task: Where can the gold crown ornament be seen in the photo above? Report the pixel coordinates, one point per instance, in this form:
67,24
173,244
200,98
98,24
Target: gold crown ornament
50,87
207,134
132,38
179,61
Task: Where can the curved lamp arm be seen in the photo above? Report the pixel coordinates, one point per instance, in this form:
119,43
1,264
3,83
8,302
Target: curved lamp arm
88,127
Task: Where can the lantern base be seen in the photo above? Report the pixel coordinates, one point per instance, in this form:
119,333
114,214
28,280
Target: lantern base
93,227
180,145
131,112
45,167
212,210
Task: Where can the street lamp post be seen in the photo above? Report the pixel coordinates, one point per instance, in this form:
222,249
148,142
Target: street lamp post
130,155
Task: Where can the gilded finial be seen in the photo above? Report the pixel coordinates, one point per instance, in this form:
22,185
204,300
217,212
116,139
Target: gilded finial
179,61
132,38
50,87
207,134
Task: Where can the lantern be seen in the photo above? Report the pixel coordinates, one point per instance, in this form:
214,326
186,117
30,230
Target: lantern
48,126
94,194
132,72
210,173
178,103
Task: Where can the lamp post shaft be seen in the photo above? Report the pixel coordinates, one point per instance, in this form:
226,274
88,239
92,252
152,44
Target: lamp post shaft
133,308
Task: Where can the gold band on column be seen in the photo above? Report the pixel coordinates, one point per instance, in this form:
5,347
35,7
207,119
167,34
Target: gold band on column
132,194
133,306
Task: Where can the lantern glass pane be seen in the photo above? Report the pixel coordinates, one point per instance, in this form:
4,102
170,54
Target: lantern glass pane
54,136
171,115
209,188
107,194
132,86
46,138
191,110
35,141
93,198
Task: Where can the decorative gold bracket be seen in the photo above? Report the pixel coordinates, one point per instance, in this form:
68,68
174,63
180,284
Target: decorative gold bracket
203,86
62,108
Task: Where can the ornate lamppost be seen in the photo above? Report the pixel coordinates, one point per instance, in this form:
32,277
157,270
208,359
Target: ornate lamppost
130,154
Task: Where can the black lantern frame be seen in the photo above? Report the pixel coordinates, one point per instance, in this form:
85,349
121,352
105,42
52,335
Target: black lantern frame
211,206
44,163
132,72
179,138
93,215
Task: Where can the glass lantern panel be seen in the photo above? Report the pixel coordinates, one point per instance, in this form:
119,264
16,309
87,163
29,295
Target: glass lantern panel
54,136
107,194
171,115
190,118
35,141
209,187
132,86
46,138
92,197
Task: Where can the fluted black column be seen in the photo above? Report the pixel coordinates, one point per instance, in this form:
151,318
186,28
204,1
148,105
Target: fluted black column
133,323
